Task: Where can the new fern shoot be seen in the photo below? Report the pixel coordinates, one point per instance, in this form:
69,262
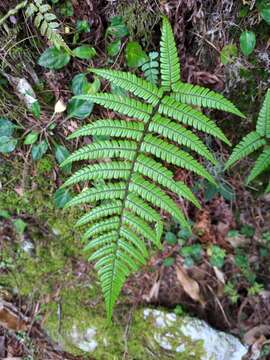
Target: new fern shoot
258,139
130,172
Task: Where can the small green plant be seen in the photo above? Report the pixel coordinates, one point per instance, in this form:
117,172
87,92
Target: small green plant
192,254
217,256
231,292
255,289
130,170
254,141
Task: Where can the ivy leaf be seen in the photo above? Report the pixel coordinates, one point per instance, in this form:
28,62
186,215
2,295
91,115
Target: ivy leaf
39,150
61,198
31,138
7,144
135,55
113,48
6,127
228,53
84,52
61,153
79,109
54,58
247,42
79,84
264,9
35,108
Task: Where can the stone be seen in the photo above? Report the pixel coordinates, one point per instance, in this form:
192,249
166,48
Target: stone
177,333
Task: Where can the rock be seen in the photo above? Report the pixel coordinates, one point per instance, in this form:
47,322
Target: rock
175,334
152,334
84,340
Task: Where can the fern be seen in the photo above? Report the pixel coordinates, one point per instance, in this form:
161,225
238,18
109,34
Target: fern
151,68
129,171
46,23
254,141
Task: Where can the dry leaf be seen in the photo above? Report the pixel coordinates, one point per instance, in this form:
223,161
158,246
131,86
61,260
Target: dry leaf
190,286
59,107
219,275
10,318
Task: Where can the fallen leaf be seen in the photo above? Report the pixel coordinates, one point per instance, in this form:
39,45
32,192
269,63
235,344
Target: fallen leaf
190,286
59,107
10,318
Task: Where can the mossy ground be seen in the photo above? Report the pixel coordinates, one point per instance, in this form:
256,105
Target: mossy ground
55,277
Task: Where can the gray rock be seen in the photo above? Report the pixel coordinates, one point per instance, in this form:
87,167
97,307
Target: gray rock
174,334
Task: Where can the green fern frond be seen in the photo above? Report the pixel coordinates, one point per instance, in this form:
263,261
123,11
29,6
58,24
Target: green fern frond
128,176
267,190
263,122
157,197
200,96
169,61
189,116
250,143
99,192
130,82
261,164
180,135
46,23
101,211
151,68
122,105
108,127
108,170
158,173
103,149
171,154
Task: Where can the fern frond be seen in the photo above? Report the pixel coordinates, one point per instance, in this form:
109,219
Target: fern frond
151,68
250,143
263,122
122,105
131,237
154,195
267,190
169,62
103,149
108,127
171,154
158,173
139,225
101,227
139,207
99,192
200,96
130,82
261,164
180,135
189,116
108,170
101,211
46,23
100,240
130,172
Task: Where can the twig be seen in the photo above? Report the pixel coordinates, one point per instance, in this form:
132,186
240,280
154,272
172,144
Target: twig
13,11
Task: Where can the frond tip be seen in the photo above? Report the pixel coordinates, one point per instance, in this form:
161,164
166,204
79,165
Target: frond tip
128,182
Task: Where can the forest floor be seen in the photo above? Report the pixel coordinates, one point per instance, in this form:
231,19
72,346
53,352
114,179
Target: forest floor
42,266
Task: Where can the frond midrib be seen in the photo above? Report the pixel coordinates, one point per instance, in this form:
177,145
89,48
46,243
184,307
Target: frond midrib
126,192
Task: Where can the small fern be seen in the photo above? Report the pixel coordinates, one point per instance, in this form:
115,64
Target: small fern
130,172
254,141
46,23
151,68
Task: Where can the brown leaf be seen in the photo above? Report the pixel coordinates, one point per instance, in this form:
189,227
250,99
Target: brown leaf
190,286
10,319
